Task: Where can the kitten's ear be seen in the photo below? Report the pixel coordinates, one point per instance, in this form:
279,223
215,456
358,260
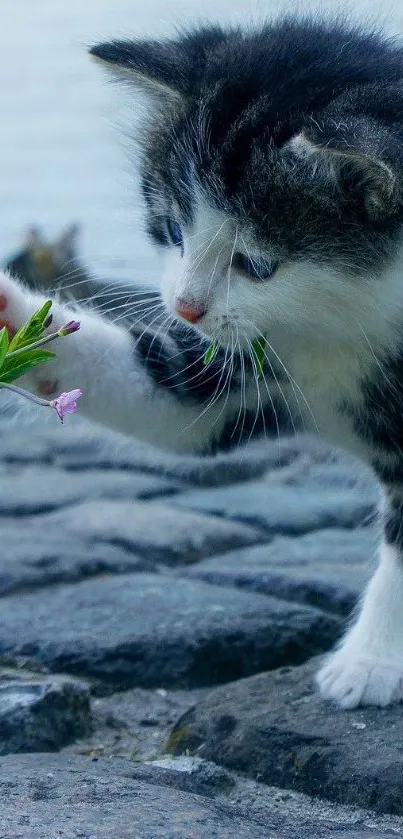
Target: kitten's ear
169,69
152,66
355,171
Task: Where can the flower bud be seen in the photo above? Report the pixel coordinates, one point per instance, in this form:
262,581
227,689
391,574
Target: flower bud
69,328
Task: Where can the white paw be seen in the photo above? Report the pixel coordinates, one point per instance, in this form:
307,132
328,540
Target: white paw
15,304
351,678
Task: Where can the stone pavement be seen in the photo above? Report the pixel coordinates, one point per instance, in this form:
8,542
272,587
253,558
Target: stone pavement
161,621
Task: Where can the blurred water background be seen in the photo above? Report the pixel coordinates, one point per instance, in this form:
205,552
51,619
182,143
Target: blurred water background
64,156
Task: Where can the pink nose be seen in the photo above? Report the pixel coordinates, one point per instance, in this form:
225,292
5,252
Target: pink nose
189,311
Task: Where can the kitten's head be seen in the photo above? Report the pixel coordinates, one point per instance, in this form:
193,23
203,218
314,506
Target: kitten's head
270,170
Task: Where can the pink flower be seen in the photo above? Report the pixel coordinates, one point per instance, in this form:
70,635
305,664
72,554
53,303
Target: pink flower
66,403
69,328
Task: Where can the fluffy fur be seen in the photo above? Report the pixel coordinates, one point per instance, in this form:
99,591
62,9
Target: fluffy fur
272,172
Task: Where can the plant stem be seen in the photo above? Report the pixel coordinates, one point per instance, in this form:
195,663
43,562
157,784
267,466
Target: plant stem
26,393
40,343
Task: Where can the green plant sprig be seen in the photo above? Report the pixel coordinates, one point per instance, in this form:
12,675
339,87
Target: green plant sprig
210,353
25,351
258,354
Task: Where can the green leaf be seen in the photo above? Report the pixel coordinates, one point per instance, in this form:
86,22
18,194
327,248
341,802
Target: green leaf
210,353
3,344
259,354
14,368
33,329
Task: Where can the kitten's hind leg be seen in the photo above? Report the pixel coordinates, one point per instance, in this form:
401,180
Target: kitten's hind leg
367,669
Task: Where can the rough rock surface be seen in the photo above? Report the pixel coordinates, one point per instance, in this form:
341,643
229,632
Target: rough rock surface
153,629
105,801
154,530
289,737
293,568
282,509
46,556
157,579
74,798
41,713
135,724
60,488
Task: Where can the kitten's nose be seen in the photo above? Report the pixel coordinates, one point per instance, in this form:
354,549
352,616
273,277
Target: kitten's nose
193,312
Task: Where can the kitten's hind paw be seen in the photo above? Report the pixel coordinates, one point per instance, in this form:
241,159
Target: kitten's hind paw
352,679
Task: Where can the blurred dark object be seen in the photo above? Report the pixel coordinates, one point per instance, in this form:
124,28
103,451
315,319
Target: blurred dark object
55,267
43,265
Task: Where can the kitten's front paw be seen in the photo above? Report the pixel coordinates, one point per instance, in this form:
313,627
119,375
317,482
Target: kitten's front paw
15,304
353,678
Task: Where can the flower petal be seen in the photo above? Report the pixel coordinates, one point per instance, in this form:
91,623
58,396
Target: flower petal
66,403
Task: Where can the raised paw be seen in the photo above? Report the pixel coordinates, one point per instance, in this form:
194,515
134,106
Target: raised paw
352,679
15,304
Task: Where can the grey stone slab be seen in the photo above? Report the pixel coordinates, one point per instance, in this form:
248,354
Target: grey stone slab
85,446
76,798
72,798
336,470
327,568
24,448
40,713
153,530
219,470
106,537
42,489
35,441
153,630
135,724
295,813
276,728
321,465
276,508
34,555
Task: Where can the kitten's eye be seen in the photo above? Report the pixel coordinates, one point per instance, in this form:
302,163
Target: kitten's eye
254,267
175,233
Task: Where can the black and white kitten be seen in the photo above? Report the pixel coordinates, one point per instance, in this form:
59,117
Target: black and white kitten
272,177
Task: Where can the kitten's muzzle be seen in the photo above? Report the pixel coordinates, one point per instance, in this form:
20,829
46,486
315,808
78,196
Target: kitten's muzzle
192,312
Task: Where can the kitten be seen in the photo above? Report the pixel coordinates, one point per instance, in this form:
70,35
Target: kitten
272,166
